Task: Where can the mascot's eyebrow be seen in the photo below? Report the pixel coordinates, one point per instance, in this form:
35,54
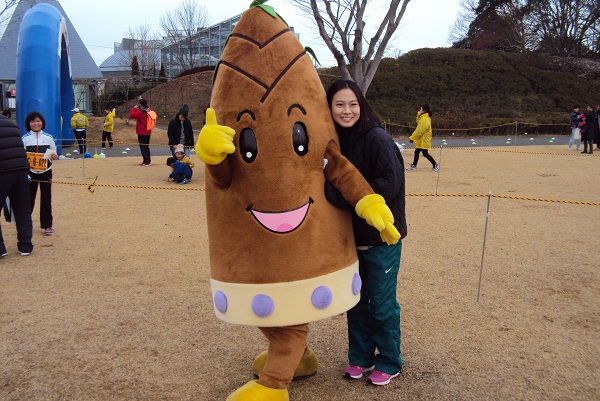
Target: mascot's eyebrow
257,43
270,87
296,106
239,116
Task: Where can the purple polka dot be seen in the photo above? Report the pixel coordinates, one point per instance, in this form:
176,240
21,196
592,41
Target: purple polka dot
262,305
321,297
356,284
220,300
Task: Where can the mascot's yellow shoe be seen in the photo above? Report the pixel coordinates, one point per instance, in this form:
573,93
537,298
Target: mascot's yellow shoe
307,367
252,391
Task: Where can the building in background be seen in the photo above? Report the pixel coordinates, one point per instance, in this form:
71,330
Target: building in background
175,57
86,73
207,46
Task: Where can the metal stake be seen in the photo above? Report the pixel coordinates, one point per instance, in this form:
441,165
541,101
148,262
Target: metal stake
438,172
487,216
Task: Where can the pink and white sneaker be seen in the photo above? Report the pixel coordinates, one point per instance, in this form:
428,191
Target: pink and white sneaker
356,372
379,378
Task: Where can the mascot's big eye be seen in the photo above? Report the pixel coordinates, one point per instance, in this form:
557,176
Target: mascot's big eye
248,145
300,139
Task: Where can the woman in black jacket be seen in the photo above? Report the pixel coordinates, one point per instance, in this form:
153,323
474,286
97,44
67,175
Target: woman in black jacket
374,323
590,130
180,131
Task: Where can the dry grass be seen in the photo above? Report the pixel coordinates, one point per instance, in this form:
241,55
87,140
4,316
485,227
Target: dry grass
116,305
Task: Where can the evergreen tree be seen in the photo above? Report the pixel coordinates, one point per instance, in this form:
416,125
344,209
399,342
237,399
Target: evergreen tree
162,76
135,67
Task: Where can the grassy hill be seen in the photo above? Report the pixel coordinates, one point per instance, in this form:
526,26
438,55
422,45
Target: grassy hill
469,89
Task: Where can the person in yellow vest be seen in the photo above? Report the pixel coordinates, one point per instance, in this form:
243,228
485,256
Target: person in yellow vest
107,129
79,123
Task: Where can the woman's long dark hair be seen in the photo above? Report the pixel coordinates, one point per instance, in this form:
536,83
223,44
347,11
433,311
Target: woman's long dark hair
427,109
32,116
368,119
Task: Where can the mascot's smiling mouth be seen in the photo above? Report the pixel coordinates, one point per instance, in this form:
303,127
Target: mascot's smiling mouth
281,222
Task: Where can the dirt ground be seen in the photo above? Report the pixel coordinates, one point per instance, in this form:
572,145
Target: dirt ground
116,305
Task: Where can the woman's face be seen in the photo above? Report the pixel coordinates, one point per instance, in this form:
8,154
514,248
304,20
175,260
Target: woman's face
36,124
182,117
345,108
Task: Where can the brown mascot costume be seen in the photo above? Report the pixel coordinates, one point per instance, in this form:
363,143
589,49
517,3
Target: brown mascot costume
281,255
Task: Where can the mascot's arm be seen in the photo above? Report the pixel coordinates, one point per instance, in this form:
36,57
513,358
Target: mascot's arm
342,174
214,144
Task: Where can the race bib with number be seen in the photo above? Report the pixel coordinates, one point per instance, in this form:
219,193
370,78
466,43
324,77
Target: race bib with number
37,161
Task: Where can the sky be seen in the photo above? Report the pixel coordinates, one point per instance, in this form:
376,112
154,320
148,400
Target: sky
426,23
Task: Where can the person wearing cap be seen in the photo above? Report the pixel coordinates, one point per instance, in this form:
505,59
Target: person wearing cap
139,113
15,185
107,128
182,172
180,131
179,154
79,123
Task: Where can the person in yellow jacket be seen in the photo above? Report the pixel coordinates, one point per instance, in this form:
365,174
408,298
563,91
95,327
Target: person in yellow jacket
79,123
422,138
107,128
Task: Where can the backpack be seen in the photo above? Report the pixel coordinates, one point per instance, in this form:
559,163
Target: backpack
150,120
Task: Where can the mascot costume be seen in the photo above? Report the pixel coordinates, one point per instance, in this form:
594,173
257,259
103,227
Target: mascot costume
281,255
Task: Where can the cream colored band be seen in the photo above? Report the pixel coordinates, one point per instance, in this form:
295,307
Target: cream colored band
286,304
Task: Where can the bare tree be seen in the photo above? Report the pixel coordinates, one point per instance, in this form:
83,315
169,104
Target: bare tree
4,11
556,27
566,28
342,24
180,28
146,48
460,28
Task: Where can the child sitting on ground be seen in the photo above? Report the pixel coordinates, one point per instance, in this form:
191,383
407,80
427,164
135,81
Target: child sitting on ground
181,157
181,174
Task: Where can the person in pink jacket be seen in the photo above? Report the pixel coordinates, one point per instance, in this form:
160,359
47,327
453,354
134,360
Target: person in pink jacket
139,113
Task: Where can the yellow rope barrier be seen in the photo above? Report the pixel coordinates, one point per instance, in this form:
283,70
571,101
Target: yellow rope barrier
511,197
93,184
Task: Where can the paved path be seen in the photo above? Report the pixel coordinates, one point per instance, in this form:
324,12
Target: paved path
461,142
470,142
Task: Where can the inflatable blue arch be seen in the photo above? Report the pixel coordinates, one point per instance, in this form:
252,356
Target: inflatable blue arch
44,75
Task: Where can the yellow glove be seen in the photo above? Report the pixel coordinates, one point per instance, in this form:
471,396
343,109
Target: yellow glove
215,141
373,209
390,234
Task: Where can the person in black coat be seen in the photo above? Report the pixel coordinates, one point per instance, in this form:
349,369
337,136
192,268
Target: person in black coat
374,323
597,139
589,134
14,184
180,131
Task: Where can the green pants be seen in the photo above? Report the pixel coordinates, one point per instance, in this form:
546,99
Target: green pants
374,323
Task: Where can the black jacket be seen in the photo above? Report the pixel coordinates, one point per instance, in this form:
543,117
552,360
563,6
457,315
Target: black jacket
379,160
174,132
12,152
591,125
574,119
